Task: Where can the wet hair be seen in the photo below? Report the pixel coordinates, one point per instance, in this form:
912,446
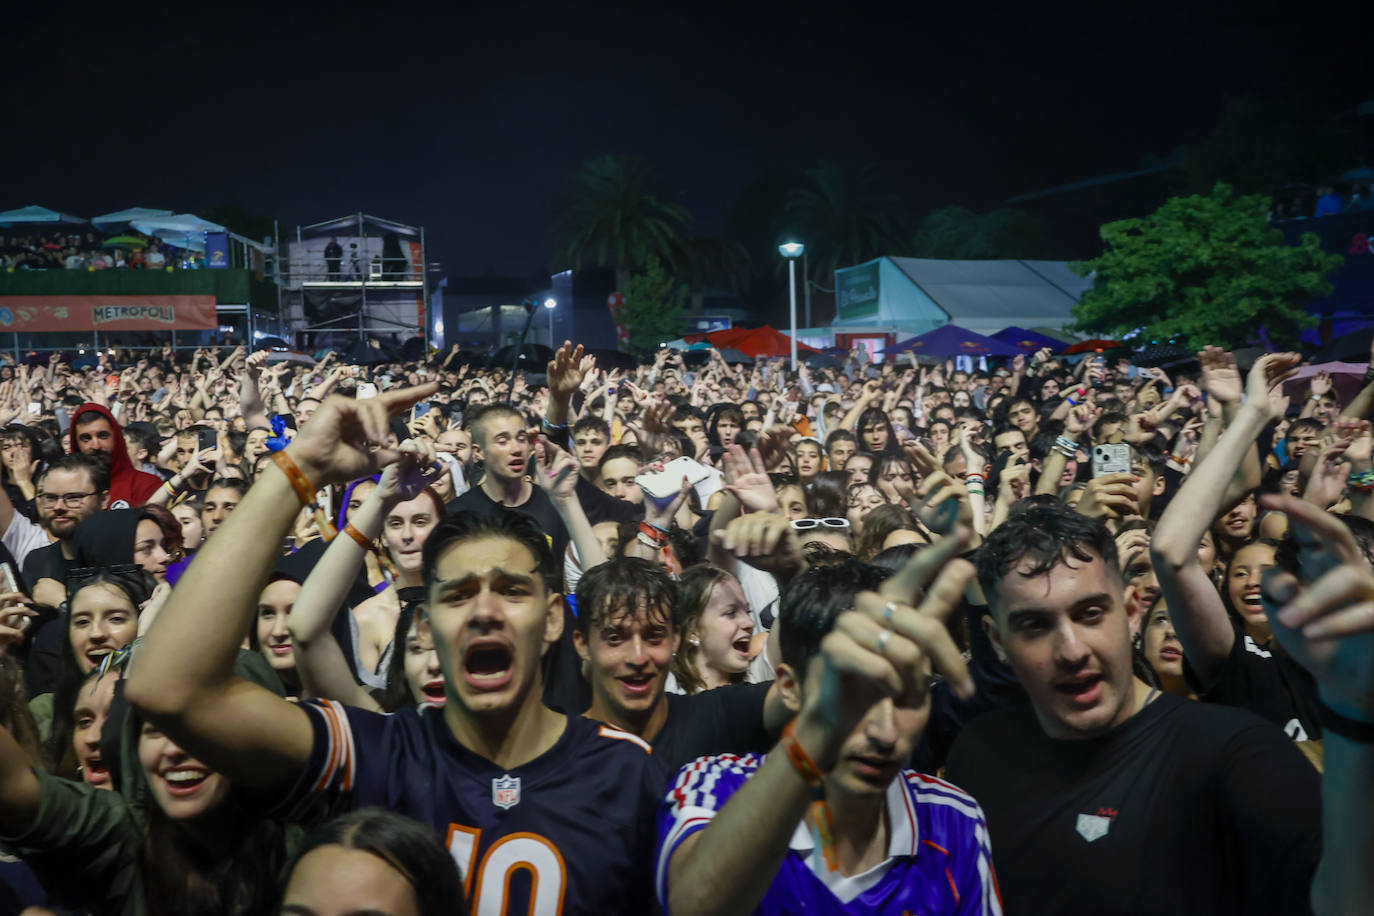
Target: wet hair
827,495
466,526
813,600
413,849
1044,533
894,558
694,592
618,586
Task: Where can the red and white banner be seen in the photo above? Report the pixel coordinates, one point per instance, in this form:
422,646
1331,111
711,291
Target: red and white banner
106,313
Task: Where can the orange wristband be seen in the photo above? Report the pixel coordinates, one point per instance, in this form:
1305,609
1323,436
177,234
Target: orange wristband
806,768
801,761
357,536
304,491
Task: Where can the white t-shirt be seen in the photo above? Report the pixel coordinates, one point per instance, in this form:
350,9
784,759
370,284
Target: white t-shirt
22,537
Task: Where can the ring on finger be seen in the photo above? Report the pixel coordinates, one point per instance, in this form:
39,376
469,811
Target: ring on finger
883,637
888,610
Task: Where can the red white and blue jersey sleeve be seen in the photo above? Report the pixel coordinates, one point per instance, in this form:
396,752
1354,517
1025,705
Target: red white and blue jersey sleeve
699,792
954,834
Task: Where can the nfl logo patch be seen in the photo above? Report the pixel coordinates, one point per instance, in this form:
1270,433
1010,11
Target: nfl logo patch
1091,826
505,792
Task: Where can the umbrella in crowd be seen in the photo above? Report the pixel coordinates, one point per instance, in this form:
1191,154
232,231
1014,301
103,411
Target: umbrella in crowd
613,359
756,342
1163,355
952,340
1028,341
1348,348
820,360
277,357
1346,378
35,215
735,357
124,241
1093,345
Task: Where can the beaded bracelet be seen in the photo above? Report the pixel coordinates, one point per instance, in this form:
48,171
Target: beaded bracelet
1363,481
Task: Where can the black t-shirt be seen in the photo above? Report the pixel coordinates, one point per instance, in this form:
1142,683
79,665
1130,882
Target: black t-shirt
726,720
1268,683
46,563
1186,808
538,507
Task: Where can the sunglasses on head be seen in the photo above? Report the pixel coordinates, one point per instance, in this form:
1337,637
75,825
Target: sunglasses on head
805,524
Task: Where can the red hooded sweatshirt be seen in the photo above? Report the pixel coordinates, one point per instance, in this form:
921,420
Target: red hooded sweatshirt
129,487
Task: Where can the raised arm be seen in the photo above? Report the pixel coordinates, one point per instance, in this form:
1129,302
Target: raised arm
20,791
1326,624
236,727
1199,616
557,476
250,394
727,867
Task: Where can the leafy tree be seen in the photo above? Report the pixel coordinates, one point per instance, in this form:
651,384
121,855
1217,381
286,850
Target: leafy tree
714,262
1206,269
653,309
844,216
1260,144
612,218
958,232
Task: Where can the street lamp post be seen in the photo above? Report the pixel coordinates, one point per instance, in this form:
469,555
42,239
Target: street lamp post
550,304
791,251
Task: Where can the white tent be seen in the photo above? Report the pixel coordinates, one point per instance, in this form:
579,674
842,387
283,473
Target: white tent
916,295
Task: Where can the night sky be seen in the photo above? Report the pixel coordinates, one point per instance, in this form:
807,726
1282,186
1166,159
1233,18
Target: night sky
469,121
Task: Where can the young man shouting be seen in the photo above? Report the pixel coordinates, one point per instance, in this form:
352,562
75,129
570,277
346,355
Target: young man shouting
544,813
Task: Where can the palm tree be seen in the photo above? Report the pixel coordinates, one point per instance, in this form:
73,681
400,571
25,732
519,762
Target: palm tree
843,216
714,262
612,219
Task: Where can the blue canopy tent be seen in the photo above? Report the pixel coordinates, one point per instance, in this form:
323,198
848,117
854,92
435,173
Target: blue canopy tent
122,219
35,215
1027,341
952,340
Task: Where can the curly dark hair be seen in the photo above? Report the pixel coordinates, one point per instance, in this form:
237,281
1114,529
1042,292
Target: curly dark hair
1044,533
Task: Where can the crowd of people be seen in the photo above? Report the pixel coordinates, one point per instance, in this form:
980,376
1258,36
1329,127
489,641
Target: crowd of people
1054,636
89,251
1322,200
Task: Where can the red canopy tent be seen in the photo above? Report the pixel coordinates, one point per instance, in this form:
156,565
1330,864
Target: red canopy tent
1096,345
756,342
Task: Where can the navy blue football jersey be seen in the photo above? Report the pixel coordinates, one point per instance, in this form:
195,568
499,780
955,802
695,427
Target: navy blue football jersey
570,832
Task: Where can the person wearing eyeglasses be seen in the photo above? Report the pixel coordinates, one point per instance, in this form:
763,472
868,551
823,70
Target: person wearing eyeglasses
69,490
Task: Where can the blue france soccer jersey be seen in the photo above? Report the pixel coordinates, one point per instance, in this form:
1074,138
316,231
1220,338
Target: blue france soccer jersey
570,832
939,858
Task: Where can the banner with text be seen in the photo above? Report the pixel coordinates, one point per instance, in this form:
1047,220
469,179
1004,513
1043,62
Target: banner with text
856,292
106,313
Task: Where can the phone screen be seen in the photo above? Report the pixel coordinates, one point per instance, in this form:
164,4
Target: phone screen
205,438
